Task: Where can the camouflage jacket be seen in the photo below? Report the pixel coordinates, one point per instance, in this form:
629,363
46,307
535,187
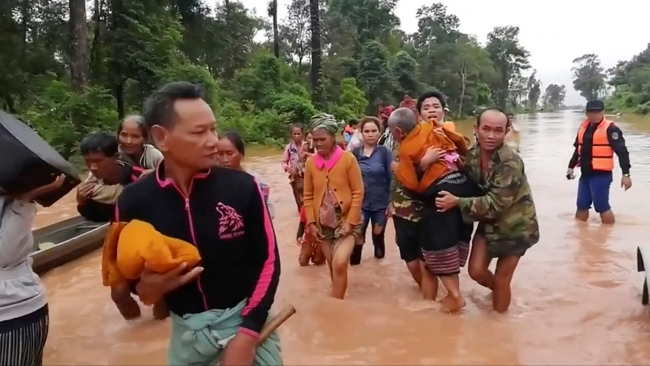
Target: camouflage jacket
506,211
402,203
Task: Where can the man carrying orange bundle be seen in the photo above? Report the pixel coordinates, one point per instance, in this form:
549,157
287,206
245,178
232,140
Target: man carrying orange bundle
443,236
217,309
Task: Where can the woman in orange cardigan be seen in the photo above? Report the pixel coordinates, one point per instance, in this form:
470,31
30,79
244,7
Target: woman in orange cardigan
333,193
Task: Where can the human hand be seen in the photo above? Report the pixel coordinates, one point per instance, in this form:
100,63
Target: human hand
626,182
153,286
393,166
42,190
83,192
569,174
446,201
432,155
388,214
240,351
313,232
346,229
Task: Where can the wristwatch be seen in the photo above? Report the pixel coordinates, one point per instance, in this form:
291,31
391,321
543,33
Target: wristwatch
626,175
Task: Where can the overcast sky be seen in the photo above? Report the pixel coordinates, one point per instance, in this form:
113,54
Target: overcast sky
554,31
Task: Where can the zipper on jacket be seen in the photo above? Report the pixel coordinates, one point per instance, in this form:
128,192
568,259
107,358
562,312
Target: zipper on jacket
191,224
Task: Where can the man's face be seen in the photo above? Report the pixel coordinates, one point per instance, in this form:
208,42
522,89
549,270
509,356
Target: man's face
397,133
492,130
432,109
191,140
101,166
595,116
407,98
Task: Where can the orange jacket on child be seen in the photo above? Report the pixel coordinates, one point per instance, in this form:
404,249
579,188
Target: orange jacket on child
414,146
128,246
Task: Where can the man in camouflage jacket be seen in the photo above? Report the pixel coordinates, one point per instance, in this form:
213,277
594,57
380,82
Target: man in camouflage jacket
506,214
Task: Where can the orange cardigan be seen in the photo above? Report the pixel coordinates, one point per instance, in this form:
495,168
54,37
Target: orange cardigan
346,182
414,146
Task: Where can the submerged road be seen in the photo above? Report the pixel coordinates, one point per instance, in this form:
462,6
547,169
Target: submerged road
576,294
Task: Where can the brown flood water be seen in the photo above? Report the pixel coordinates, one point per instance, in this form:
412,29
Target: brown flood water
576,294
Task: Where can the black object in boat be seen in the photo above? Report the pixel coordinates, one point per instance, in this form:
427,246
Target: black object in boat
28,162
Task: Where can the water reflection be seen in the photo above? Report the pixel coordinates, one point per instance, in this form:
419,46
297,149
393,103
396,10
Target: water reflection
576,293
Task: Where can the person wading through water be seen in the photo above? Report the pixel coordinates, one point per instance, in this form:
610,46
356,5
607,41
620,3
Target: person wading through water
24,314
405,208
333,198
133,140
374,162
231,152
96,197
506,214
293,165
222,212
443,236
597,140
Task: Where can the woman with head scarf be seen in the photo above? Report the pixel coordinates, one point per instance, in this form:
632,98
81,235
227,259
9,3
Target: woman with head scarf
332,198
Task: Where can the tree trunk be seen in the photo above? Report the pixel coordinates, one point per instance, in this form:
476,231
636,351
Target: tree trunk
78,44
316,54
463,80
276,40
78,29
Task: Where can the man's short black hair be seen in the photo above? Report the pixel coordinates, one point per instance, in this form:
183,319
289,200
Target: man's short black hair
101,142
353,122
495,109
159,107
431,94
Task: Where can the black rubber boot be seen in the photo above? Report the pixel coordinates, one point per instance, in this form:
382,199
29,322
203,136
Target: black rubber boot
380,247
355,258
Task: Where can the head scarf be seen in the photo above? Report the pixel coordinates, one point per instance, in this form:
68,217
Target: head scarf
324,121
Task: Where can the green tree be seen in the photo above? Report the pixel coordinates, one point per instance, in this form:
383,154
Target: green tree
588,76
553,99
405,70
509,58
374,74
534,91
631,82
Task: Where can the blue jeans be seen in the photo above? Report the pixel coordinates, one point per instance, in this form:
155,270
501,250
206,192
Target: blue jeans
377,218
594,189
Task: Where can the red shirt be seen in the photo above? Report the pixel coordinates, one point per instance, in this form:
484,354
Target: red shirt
410,104
386,111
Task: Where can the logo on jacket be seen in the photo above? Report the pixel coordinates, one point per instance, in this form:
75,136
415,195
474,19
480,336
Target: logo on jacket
231,223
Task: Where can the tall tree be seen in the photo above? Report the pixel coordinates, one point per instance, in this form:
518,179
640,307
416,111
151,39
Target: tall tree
295,32
273,13
316,53
534,91
554,96
588,76
509,58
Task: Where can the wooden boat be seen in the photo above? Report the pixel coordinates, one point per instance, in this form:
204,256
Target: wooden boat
65,241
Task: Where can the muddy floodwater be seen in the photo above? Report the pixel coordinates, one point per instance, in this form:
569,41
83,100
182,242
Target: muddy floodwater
576,294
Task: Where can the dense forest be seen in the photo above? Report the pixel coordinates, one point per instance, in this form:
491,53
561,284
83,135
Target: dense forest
626,86
70,67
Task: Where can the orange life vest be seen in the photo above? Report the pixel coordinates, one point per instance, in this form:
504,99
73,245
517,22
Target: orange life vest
601,151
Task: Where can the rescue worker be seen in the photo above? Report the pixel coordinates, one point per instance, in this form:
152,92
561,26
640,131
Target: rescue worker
505,212
597,140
